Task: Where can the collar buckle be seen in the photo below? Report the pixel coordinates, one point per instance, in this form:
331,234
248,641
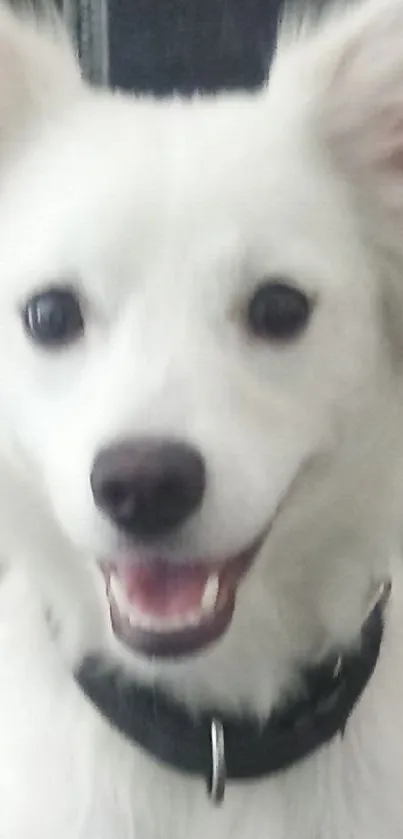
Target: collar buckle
218,763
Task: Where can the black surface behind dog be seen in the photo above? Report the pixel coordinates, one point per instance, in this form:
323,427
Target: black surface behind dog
162,46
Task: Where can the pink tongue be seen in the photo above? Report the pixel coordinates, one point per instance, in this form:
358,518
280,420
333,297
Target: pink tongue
163,590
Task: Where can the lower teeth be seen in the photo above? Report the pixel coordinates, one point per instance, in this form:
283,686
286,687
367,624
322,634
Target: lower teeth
210,594
139,620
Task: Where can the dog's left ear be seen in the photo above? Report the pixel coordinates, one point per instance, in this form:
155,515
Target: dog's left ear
355,71
361,108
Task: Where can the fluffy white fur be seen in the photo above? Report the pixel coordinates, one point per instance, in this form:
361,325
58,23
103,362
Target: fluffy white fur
167,215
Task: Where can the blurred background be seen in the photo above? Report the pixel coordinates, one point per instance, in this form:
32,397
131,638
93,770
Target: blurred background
162,46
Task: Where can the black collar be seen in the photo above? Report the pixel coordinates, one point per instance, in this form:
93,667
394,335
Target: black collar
217,747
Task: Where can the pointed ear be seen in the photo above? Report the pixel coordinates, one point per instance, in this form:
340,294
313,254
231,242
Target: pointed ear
38,71
363,111
347,68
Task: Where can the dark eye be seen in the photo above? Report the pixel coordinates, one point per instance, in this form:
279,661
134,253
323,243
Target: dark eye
278,311
53,318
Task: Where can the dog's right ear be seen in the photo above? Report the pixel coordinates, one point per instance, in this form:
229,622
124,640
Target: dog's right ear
38,73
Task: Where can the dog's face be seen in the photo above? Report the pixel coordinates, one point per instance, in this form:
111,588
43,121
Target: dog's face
190,327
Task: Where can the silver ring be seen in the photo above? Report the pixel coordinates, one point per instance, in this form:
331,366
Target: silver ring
219,770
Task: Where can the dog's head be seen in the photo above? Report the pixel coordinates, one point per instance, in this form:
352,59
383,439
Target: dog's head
199,345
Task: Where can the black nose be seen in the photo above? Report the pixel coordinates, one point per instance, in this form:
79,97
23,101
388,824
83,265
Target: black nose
148,487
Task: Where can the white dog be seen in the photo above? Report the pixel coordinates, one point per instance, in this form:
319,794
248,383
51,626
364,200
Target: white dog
201,393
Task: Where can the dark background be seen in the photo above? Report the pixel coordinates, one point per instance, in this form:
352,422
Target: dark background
163,46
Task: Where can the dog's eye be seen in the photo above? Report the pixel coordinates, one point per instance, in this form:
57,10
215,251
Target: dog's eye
278,311
53,317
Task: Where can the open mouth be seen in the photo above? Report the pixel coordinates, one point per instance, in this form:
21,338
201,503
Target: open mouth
161,608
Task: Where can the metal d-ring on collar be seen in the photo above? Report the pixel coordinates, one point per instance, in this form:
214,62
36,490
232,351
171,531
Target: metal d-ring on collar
218,764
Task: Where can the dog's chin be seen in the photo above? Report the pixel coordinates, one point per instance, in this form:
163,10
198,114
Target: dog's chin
161,608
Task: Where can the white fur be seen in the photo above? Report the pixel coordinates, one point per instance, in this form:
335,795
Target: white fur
167,215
